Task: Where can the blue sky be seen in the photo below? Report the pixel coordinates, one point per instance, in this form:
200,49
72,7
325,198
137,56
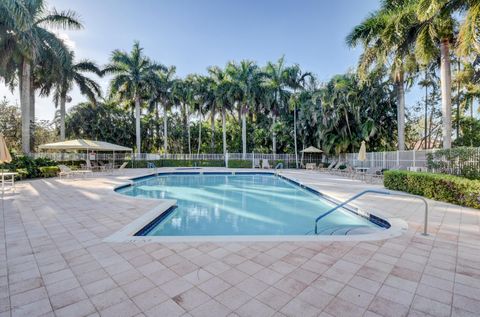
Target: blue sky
195,34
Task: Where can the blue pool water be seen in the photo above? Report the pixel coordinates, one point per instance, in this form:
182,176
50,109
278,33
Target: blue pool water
249,204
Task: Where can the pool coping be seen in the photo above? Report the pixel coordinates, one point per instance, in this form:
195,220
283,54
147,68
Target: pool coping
128,233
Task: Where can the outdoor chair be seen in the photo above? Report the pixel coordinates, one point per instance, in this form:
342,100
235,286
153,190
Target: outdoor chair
372,174
256,163
121,168
67,171
334,170
348,171
326,169
310,166
265,164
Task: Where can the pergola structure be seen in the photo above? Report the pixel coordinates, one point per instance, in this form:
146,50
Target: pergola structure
89,146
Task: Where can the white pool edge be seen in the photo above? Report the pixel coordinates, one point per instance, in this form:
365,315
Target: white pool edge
127,233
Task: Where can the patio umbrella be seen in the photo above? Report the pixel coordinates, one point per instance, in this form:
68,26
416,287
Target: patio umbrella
4,153
4,157
362,154
310,149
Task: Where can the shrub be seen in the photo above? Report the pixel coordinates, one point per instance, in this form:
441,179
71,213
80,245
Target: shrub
49,171
447,188
26,166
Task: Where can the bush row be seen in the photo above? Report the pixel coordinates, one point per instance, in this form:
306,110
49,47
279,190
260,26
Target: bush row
28,167
447,188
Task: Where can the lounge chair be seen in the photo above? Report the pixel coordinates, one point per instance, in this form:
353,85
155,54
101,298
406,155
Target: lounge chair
121,168
310,166
265,164
256,163
67,171
336,168
326,169
348,171
373,173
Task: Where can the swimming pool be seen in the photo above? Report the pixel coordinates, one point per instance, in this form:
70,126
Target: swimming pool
225,204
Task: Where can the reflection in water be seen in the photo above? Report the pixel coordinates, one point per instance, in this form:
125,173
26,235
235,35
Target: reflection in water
238,205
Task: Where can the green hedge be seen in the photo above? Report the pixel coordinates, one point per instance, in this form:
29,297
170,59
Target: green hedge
49,171
27,167
448,188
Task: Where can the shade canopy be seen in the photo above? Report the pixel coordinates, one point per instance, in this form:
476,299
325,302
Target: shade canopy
311,149
362,154
4,153
86,145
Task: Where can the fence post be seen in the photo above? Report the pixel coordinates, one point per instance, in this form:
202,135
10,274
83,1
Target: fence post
398,158
414,157
384,159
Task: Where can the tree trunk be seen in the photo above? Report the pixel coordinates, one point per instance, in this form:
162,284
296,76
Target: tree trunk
426,113
63,101
458,102
224,131
446,86
25,105
188,130
274,136
212,127
165,128
137,125
199,133
32,114
244,132
157,124
295,133
401,111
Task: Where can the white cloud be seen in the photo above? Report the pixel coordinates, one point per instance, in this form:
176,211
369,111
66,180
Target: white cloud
66,39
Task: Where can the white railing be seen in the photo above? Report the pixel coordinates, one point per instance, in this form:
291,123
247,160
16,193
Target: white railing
389,159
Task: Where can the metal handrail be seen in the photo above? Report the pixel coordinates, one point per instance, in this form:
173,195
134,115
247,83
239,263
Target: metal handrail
375,191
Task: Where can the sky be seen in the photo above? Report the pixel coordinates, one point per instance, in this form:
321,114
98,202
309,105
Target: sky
195,34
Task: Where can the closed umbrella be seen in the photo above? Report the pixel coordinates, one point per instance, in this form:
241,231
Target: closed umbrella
4,157
362,154
4,153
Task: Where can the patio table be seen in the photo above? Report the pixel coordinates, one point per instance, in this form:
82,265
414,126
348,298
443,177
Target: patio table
362,171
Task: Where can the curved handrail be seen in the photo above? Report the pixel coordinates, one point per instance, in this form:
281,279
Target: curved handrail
376,191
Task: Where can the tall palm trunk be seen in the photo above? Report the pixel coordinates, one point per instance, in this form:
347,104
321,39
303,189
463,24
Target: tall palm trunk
212,127
25,105
400,111
224,131
63,101
244,132
157,124
32,114
165,129
200,133
274,136
295,133
189,138
446,86
137,124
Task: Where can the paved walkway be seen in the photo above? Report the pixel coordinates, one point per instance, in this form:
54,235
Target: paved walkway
53,261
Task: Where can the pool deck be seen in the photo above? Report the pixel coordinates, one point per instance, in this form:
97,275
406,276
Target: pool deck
54,260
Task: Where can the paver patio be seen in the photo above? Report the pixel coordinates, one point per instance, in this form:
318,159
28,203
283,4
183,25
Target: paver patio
53,261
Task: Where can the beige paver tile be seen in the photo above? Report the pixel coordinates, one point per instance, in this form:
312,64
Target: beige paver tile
67,298
214,286
254,308
82,308
28,297
150,298
327,285
252,286
191,299
125,308
385,307
233,276
340,307
175,287
137,287
233,298
274,298
210,308
268,276
356,296
34,309
108,298
431,307
315,297
396,295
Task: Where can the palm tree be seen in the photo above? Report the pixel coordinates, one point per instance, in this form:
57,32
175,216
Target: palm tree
276,80
23,36
222,88
386,37
295,80
73,73
162,94
134,74
436,30
246,78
